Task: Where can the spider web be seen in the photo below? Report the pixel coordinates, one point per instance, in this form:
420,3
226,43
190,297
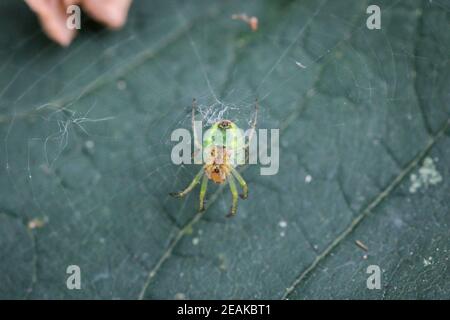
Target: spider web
86,142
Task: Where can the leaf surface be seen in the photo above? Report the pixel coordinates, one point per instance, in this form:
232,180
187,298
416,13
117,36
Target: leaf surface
86,152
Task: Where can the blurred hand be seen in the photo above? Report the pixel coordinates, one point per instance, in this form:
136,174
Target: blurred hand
53,16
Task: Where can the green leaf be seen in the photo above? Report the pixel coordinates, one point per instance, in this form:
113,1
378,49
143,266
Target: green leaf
364,152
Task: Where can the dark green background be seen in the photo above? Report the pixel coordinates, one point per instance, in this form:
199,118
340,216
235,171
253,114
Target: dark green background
360,119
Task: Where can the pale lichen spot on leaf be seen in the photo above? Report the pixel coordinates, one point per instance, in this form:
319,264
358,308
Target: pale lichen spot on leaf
426,176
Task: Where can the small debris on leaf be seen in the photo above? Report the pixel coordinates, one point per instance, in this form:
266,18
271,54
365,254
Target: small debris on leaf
308,178
195,241
180,296
282,224
300,65
251,21
427,262
37,223
361,245
223,262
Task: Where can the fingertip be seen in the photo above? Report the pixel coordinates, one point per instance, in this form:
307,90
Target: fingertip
115,18
67,39
62,36
118,13
112,13
52,17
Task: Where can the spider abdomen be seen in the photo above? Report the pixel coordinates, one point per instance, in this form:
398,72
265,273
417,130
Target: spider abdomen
217,163
224,145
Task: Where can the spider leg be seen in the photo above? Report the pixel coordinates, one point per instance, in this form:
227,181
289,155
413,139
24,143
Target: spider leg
242,183
197,143
203,188
191,186
234,194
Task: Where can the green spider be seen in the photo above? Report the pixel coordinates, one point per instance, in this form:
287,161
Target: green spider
218,164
